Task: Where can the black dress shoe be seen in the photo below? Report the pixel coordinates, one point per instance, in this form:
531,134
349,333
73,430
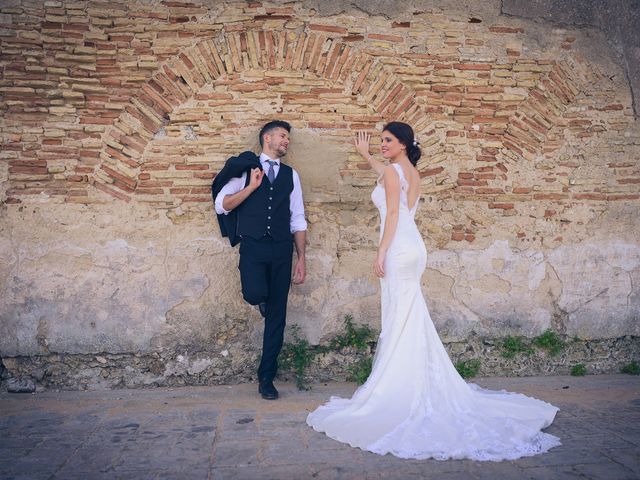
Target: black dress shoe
263,309
267,390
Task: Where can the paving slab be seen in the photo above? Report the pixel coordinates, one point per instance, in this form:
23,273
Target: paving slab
229,432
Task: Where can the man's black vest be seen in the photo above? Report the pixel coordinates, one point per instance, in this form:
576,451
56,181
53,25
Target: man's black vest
267,210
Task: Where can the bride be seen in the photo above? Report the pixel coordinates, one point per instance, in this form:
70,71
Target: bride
414,403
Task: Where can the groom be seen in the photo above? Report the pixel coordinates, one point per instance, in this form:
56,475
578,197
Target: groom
265,197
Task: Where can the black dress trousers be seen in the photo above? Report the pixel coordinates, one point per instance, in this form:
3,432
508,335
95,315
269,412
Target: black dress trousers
265,274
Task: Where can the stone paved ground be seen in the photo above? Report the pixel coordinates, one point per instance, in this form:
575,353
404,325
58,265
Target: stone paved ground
228,432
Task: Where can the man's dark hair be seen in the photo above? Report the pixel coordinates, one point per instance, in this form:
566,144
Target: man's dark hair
271,125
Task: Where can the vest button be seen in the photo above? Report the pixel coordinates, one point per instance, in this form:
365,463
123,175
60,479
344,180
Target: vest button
270,198
269,207
270,188
268,218
268,226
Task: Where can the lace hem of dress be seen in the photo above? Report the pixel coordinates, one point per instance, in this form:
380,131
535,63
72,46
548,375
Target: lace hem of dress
539,443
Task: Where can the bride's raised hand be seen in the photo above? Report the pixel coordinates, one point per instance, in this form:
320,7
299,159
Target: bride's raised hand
362,146
362,143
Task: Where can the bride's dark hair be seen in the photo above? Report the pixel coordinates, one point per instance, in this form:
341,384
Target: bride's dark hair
404,133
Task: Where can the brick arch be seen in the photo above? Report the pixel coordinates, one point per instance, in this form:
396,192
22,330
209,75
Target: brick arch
535,131
531,130
183,76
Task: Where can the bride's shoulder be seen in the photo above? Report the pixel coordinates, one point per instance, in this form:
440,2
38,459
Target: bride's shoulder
391,171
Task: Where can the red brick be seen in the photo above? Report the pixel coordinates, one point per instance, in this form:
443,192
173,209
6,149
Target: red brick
472,66
111,191
549,196
489,191
501,206
613,106
204,175
118,176
264,17
485,176
195,199
199,166
513,147
154,166
589,196
29,169
431,171
471,183
149,191
501,29
623,197
327,28
387,38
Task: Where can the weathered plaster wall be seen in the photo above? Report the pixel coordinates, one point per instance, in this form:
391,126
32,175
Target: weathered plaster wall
116,116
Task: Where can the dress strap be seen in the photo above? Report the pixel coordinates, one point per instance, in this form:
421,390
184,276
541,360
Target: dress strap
403,181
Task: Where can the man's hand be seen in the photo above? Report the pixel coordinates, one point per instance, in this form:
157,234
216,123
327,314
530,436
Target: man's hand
229,202
299,271
256,178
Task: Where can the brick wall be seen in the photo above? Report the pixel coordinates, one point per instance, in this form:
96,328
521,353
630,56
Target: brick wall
527,131
141,102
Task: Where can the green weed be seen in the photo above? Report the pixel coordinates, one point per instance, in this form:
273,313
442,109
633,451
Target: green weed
297,355
631,368
513,345
550,341
579,370
354,336
360,370
468,368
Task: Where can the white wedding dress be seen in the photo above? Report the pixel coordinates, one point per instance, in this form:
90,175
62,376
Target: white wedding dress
415,404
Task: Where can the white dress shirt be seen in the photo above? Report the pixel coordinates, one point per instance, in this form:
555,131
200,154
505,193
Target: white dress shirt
296,206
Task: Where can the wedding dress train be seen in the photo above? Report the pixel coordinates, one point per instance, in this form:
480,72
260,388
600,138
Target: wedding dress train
414,403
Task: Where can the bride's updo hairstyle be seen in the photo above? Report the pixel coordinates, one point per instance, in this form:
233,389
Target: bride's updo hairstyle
404,133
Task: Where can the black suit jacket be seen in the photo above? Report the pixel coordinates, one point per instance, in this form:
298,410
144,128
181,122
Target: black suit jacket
234,167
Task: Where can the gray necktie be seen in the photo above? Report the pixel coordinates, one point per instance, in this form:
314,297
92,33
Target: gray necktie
271,174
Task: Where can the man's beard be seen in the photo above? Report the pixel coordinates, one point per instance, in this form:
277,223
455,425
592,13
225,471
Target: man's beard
281,151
